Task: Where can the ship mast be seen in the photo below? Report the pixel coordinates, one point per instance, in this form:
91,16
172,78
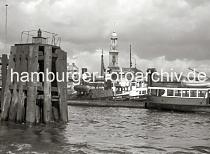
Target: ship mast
102,62
130,57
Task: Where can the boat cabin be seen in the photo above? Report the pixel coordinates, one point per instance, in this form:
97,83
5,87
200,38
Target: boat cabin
179,92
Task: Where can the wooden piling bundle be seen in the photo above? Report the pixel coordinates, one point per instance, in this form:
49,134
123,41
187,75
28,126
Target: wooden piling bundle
4,63
35,101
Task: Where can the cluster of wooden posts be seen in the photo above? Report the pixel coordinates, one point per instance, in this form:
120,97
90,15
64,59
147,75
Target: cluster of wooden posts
34,101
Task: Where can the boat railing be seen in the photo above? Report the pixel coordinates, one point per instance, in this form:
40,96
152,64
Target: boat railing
179,92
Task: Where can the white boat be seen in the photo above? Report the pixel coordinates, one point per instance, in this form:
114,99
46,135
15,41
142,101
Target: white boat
180,99
195,83
135,93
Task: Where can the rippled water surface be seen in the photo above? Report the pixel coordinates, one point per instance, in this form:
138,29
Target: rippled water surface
112,130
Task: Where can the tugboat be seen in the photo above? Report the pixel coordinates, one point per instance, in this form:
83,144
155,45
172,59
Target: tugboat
186,97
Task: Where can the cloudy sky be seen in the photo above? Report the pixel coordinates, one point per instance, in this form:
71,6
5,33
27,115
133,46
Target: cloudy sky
163,33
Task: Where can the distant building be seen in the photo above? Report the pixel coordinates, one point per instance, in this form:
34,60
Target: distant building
72,68
84,69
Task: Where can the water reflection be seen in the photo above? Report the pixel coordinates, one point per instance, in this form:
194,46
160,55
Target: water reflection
17,138
112,130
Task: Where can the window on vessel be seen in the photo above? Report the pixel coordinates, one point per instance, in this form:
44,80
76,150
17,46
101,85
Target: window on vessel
177,92
161,92
185,93
126,88
143,92
209,96
201,93
154,92
170,92
149,91
118,90
193,93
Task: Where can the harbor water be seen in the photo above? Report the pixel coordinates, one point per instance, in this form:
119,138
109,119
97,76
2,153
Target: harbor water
112,130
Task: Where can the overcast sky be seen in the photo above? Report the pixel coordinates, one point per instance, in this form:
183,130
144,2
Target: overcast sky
163,33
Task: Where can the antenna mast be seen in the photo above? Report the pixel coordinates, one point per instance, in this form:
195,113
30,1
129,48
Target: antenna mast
6,5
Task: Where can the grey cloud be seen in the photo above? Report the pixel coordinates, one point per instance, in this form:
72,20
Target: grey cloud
172,28
197,3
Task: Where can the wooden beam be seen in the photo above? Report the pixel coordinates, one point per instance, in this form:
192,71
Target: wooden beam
14,102
4,63
61,66
32,86
13,105
41,57
39,88
7,92
47,85
21,94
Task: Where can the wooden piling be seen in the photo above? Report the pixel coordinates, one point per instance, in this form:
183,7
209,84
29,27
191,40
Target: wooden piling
32,100
47,84
20,107
61,67
32,85
4,63
13,105
14,84
7,93
21,94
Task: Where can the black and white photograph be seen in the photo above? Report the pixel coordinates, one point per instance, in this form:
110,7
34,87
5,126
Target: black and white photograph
104,76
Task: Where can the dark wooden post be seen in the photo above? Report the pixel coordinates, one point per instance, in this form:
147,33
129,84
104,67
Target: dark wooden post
61,66
7,93
47,84
4,63
21,94
32,86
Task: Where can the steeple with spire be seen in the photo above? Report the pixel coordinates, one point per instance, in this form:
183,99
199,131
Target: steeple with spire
113,53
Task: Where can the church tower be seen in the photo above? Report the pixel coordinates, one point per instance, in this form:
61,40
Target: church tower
113,53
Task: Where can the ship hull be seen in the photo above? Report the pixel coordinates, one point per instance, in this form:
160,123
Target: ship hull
178,104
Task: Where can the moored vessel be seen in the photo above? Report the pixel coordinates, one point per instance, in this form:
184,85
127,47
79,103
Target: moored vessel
179,99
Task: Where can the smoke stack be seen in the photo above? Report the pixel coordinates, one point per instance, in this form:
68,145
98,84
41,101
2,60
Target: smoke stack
102,63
